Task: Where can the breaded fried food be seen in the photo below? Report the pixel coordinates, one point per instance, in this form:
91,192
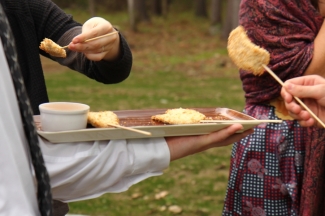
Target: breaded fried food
280,109
179,116
52,48
102,119
245,54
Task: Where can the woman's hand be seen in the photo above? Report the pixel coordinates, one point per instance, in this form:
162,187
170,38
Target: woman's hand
106,48
311,89
183,146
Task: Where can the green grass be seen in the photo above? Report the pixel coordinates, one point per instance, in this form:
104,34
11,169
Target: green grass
176,64
158,90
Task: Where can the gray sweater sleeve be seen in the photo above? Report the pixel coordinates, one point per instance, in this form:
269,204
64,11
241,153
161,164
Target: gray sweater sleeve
102,71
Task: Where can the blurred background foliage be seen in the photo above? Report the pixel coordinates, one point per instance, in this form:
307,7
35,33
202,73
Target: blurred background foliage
222,14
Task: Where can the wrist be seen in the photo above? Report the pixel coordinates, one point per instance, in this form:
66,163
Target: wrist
116,51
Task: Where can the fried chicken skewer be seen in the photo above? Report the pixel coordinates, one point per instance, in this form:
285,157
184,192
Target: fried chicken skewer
250,57
52,48
105,119
245,54
56,50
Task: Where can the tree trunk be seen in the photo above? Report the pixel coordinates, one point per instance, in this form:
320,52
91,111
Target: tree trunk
235,15
132,18
216,11
164,7
141,10
157,7
137,12
231,20
91,8
200,8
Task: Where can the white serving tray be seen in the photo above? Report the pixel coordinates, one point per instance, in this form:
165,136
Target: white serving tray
141,119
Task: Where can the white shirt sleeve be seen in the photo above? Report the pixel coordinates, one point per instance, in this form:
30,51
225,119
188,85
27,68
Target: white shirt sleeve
87,170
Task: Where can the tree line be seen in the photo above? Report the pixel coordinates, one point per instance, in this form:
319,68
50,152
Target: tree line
222,14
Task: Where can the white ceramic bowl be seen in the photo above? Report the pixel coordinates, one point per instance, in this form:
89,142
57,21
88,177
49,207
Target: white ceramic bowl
63,116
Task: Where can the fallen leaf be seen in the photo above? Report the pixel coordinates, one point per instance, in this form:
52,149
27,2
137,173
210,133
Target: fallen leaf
162,208
161,194
175,209
136,195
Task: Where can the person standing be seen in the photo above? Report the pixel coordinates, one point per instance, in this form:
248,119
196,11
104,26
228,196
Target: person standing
279,169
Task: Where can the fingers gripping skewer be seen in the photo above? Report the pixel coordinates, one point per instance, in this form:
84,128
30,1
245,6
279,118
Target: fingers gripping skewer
95,38
56,50
296,98
250,57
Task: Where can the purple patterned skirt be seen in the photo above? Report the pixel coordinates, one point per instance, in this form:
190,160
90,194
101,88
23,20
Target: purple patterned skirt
267,168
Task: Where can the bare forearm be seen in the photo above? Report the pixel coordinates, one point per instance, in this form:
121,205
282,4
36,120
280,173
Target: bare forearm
180,147
317,64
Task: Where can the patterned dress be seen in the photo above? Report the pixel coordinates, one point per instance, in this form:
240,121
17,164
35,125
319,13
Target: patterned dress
279,169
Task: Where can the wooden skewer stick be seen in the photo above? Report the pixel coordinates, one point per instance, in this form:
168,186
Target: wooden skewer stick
130,129
241,121
95,38
297,99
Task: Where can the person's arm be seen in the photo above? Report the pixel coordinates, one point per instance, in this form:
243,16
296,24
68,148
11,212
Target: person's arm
183,146
317,64
107,72
87,170
311,89
112,66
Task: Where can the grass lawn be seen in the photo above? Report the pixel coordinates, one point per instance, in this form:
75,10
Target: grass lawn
177,63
